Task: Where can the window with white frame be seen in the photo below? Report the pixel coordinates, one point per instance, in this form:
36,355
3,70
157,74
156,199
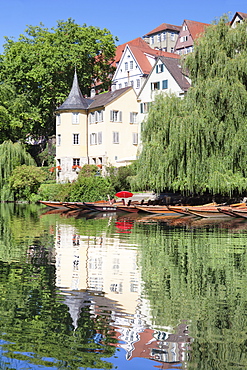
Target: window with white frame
163,36
185,27
93,138
92,117
126,66
132,83
131,64
158,37
119,86
76,139
99,116
100,137
115,137
134,138
133,117
125,84
159,68
58,119
151,40
116,116
58,139
75,118
144,107
138,83
172,36
76,161
184,38
155,85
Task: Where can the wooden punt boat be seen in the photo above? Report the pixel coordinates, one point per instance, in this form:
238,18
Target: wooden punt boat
239,212
56,205
164,210
101,207
215,211
126,208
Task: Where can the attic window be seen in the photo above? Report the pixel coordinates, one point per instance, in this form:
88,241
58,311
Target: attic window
184,38
159,68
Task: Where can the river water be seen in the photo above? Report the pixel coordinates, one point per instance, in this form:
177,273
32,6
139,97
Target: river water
121,291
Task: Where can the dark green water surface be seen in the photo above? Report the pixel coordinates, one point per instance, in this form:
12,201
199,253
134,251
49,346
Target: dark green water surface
121,291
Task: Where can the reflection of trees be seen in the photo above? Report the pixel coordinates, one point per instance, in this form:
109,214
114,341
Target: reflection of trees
37,326
199,276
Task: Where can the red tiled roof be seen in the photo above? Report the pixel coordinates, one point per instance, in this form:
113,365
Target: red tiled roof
140,55
140,48
139,42
196,28
163,27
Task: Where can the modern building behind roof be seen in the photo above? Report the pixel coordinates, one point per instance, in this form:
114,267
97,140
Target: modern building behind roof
190,31
163,37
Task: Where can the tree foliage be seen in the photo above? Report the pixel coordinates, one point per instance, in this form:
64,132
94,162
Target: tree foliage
11,156
41,65
26,180
197,144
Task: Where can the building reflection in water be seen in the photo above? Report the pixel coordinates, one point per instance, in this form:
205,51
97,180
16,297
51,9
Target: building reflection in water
101,272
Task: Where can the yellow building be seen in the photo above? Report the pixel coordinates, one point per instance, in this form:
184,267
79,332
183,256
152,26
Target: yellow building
100,130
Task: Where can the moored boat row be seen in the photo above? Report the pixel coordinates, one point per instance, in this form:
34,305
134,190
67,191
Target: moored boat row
211,210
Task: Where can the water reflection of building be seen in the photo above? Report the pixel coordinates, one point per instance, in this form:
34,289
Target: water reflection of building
102,272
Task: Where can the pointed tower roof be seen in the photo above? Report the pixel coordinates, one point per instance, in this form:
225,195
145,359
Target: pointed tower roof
75,100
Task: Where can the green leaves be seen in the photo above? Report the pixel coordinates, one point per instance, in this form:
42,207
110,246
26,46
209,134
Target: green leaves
40,65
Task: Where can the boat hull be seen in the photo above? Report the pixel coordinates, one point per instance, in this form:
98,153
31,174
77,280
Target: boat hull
164,210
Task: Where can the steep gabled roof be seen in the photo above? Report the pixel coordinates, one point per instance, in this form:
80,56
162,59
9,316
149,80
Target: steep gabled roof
240,14
104,99
141,57
164,27
138,42
196,29
175,69
75,100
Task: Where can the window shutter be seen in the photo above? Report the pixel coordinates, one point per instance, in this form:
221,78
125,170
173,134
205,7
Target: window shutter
96,116
162,68
158,85
131,117
90,139
141,107
100,137
157,68
120,116
111,115
164,84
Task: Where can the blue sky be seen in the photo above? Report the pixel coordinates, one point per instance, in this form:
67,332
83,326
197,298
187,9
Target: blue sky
126,19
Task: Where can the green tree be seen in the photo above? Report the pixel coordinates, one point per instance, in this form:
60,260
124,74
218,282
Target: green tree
198,145
11,156
16,114
26,180
41,65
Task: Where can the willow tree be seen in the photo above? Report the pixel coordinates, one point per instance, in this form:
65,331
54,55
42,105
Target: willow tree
11,156
198,145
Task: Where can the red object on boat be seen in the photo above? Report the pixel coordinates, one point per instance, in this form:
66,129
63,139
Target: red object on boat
124,194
